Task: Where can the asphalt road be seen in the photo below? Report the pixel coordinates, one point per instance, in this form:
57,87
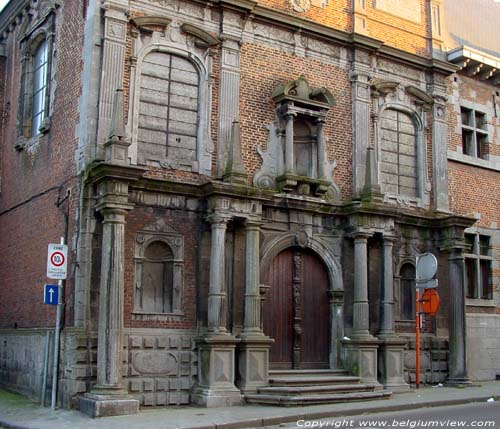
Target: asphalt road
476,415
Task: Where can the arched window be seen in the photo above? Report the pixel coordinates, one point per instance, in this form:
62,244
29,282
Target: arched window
156,294
398,151
407,292
168,110
39,86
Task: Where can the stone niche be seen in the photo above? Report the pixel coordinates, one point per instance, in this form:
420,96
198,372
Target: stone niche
295,160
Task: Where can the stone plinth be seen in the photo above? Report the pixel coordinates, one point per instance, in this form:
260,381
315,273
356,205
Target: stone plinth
253,362
104,405
391,364
216,372
362,357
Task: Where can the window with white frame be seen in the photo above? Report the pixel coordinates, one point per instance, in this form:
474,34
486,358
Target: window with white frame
478,279
474,133
39,86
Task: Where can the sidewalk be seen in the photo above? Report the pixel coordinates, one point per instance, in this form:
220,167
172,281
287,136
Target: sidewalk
16,412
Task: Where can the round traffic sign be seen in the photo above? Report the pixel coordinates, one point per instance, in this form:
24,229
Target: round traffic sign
57,259
430,302
426,266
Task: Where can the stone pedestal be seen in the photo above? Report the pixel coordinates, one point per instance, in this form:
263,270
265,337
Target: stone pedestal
216,373
105,405
361,359
391,364
253,363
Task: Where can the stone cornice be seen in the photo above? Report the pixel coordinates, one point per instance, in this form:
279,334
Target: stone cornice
9,14
101,171
353,39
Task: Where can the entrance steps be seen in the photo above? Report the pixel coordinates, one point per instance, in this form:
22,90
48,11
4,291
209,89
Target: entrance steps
313,387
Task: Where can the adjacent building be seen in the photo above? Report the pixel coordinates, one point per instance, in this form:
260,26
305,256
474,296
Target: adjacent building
244,187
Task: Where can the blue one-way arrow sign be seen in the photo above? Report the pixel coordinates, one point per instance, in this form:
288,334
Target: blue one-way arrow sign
51,294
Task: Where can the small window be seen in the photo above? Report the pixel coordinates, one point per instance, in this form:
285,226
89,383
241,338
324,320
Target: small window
474,133
407,292
478,281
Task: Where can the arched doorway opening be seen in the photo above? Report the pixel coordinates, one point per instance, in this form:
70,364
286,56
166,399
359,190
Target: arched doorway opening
296,311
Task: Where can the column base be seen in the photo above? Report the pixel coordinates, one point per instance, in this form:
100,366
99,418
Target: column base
391,363
253,362
361,359
216,374
106,405
458,381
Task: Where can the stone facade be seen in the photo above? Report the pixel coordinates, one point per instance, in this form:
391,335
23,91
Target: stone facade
217,168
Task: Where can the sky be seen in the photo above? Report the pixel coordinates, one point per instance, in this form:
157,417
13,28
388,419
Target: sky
3,3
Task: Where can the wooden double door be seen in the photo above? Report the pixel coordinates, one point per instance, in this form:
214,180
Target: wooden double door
296,311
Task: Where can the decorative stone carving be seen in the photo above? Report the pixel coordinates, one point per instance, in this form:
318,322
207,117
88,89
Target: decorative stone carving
301,5
295,159
154,362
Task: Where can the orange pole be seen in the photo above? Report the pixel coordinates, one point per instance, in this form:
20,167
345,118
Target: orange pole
417,339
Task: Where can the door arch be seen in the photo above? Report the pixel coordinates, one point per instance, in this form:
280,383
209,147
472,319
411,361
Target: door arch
296,310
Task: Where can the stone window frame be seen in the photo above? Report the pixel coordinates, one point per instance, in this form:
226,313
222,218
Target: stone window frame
490,162
40,33
176,40
176,244
477,257
397,288
423,185
475,131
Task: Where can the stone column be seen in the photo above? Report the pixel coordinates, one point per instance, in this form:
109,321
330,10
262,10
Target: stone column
457,362
439,154
216,293
216,348
289,157
362,347
113,59
253,350
320,124
252,274
387,319
360,322
360,119
109,397
391,349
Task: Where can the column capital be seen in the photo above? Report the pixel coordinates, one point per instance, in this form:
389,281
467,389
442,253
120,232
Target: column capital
358,235
218,219
389,240
253,223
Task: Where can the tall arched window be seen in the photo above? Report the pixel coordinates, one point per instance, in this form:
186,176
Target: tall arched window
407,292
398,163
39,86
168,110
156,293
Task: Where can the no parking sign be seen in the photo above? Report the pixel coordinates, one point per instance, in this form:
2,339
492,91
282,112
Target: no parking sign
57,261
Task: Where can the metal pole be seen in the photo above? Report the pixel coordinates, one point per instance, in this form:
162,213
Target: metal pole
45,370
56,344
417,339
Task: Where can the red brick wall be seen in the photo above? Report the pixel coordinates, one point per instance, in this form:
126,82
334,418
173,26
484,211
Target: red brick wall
29,219
186,224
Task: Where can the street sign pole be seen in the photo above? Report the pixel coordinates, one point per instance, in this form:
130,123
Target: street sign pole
55,365
417,338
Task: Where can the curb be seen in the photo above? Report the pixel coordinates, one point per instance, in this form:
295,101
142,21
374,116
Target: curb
313,415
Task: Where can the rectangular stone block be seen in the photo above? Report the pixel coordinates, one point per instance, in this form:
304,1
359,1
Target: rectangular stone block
161,398
162,384
162,342
135,385
174,342
135,342
148,385
149,399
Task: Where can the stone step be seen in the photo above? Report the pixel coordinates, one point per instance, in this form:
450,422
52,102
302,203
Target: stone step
291,400
304,380
316,389
280,372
